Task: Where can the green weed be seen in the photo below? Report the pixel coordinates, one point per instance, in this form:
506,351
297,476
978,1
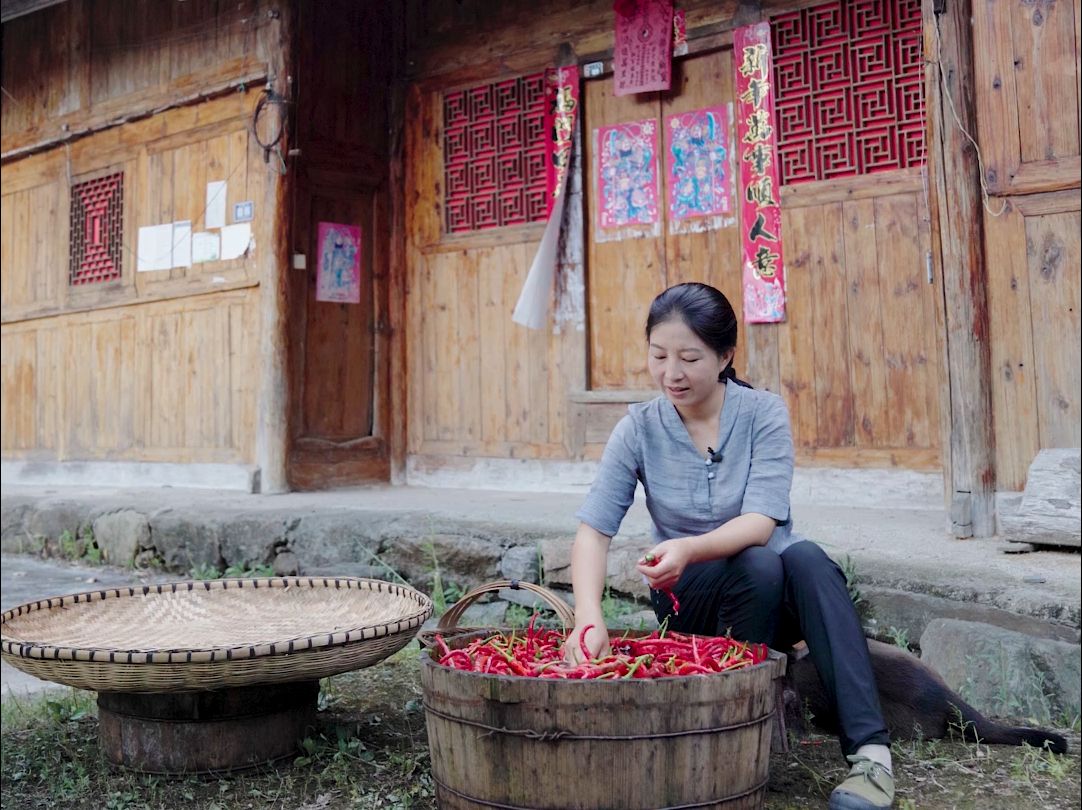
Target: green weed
1031,762
899,637
256,570
68,545
849,568
444,594
613,608
204,571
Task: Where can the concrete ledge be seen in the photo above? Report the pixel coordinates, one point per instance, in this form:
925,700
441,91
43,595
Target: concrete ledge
912,612
235,477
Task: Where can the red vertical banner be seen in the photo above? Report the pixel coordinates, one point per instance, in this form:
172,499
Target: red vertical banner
642,58
760,203
561,106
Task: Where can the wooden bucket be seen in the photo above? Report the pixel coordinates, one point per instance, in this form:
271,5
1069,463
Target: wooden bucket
682,742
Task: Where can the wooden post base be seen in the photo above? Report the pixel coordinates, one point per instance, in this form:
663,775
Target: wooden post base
206,732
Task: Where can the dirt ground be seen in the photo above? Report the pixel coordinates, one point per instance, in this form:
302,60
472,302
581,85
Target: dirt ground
370,751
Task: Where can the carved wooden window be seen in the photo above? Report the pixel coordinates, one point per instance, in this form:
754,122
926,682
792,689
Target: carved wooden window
494,155
97,229
849,85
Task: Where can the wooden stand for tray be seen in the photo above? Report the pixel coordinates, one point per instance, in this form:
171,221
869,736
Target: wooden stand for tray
177,694
206,732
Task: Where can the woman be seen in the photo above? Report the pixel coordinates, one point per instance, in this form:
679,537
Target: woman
715,458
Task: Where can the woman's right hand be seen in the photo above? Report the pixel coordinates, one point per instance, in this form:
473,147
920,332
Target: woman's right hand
596,641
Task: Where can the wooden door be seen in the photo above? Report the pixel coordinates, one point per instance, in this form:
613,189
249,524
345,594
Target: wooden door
624,275
335,436
338,354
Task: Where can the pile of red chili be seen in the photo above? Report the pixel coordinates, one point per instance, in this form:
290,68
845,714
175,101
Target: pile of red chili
537,654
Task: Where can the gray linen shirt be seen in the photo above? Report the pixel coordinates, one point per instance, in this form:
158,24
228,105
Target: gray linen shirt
685,493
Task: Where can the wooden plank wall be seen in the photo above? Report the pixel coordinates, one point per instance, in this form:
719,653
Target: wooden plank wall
480,385
860,352
859,359
1028,90
156,366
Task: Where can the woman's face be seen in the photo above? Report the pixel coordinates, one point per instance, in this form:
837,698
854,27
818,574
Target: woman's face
684,367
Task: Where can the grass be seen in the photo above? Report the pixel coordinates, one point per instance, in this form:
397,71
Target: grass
370,750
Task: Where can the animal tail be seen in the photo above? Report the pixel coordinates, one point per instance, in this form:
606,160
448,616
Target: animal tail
975,727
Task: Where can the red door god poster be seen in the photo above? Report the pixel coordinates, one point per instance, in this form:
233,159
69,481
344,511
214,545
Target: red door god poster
627,183
338,272
698,163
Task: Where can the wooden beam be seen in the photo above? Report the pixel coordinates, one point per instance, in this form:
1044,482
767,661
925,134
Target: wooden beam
273,252
211,83
958,219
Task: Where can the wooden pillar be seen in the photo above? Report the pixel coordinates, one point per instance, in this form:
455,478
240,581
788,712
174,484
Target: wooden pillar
272,250
398,391
958,226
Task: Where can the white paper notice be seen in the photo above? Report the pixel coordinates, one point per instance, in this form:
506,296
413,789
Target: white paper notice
216,199
182,243
204,247
155,248
235,240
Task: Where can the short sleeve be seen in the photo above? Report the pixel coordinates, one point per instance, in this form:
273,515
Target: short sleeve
613,489
771,476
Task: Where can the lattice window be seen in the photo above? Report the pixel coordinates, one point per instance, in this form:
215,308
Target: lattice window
97,229
849,95
494,154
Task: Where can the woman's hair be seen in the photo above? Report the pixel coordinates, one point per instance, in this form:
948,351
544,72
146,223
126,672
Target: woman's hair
706,312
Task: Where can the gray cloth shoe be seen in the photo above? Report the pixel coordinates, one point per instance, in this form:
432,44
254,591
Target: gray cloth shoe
869,786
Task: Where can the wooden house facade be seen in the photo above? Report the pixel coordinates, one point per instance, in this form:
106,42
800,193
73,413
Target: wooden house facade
930,217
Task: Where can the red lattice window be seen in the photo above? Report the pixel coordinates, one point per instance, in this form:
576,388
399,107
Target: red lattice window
494,154
97,214
849,88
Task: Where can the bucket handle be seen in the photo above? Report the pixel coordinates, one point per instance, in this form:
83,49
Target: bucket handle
449,620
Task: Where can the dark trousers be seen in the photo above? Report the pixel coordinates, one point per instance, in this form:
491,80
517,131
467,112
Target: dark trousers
758,595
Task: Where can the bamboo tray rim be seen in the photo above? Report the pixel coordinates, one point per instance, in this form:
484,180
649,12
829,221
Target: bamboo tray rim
215,654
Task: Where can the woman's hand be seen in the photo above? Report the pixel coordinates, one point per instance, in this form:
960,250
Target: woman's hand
664,563
596,642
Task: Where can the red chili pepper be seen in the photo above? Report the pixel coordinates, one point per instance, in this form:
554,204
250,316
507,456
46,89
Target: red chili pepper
538,654
650,559
582,642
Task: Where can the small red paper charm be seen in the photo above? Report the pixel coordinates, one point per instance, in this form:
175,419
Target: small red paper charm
644,43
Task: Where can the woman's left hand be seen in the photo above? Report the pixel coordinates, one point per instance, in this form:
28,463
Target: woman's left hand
667,561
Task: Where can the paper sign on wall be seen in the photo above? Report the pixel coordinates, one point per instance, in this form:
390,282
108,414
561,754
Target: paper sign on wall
182,244
205,247
236,240
215,208
338,272
154,250
642,57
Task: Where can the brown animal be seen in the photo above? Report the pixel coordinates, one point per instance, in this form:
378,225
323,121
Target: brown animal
916,702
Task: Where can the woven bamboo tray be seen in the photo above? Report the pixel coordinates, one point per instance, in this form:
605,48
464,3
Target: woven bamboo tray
195,636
